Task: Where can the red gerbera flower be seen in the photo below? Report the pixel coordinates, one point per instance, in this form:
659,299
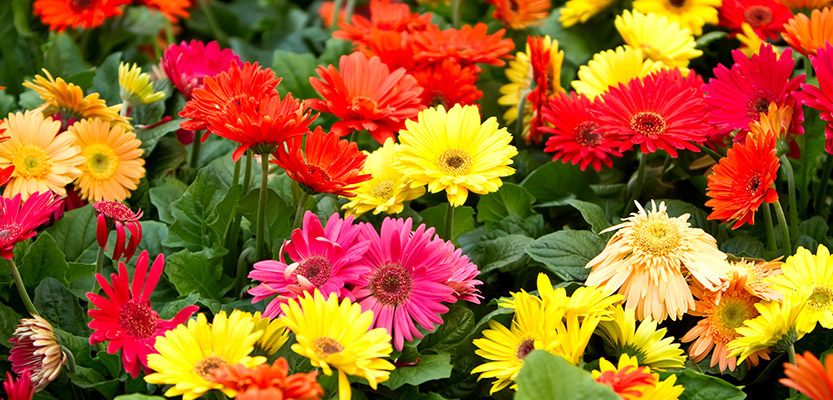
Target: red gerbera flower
125,317
662,111
742,181
521,14
268,382
20,389
113,214
325,165
469,45
809,376
546,71
385,16
736,97
627,381
766,17
576,137
18,219
393,48
171,9
447,83
187,64
62,14
821,97
366,95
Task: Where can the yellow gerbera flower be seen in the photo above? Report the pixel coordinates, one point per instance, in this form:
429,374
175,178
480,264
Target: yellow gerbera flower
612,67
579,11
585,301
334,335
649,258
135,86
813,273
455,152
42,159
274,334
635,381
659,38
751,42
647,343
388,190
188,353
113,165
519,73
691,14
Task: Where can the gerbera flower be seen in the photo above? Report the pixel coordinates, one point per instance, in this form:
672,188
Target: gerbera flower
188,354
455,152
809,376
406,284
821,97
394,49
575,135
651,347
385,15
21,388
35,348
338,336
610,68
777,122
447,83
171,9
583,302
43,160
691,14
631,381
648,258
365,95
753,276
187,64
324,257
326,14
803,270
659,38
521,14
807,35
112,214
112,165
579,11
767,17
62,14
803,5
463,274
736,97
752,42
18,218
742,181
387,190
135,86
269,382
322,163
124,316
468,45
274,335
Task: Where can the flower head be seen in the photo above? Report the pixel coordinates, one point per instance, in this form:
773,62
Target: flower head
649,345
187,64
112,214
821,97
521,14
20,389
767,17
659,38
579,11
803,270
691,14
468,45
610,68
35,348
808,35
135,86
124,316
112,160
268,382
19,218
751,41
631,381
274,335
385,16
447,83
67,101
809,376
62,14
753,277
171,9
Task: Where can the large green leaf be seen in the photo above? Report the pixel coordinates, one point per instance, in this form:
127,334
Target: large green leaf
566,253
195,213
278,214
151,136
592,213
196,273
429,367
166,155
60,307
170,190
555,183
705,387
63,58
43,260
546,376
75,235
457,324
106,80
502,252
153,233
435,217
8,321
511,199
295,70
743,246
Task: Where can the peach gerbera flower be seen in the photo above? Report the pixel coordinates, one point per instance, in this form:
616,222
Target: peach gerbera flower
807,35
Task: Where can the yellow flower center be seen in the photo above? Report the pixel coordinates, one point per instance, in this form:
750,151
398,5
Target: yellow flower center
454,162
821,298
383,190
207,365
648,123
657,237
102,161
325,345
31,161
525,348
732,311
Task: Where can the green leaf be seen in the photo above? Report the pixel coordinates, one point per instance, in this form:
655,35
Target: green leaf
704,387
106,80
566,253
44,259
435,217
163,195
457,324
503,252
138,396
196,273
75,235
195,213
153,233
555,183
696,216
60,307
547,376
171,308
295,70
430,367
334,49
743,246
166,156
592,213
8,322
88,378
79,270
151,136
585,39
62,57
510,199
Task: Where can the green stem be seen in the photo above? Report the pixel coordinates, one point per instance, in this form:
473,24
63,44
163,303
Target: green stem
519,123
235,175
195,150
348,12
793,210
299,210
247,175
819,204
456,5
713,154
261,205
352,137
212,22
124,107
449,223
785,230
336,8
242,269
770,230
70,359
791,357
99,269
18,281
640,181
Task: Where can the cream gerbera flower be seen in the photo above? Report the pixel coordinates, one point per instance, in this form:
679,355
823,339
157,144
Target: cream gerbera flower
648,259
659,38
43,160
691,14
135,86
612,67
647,343
814,273
455,152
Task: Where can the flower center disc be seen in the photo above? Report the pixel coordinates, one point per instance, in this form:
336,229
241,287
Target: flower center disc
391,284
364,105
325,345
677,3
138,319
383,190
102,161
454,162
648,123
758,103
730,314
8,232
821,298
31,162
587,134
525,348
316,171
207,365
116,211
316,269
758,16
657,237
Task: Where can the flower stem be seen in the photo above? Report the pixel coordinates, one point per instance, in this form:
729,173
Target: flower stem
791,356
519,123
770,231
212,22
821,194
235,175
299,210
455,13
785,230
99,268
348,12
70,359
640,181
711,153
793,210
247,175
336,8
261,205
242,268
449,223
195,150
18,281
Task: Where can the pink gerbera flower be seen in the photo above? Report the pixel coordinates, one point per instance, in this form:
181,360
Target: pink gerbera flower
407,281
187,64
736,97
323,257
125,317
821,97
463,272
18,219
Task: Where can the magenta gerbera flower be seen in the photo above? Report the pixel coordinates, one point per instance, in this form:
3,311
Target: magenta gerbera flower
125,317
407,281
321,257
463,272
821,97
187,64
18,219
736,97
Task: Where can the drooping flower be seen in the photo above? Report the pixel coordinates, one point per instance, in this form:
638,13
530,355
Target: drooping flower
35,348
453,151
463,274
752,42
188,354
803,270
821,97
274,335
807,35
135,87
649,345
339,336
269,382
171,9
187,64
579,11
63,14
43,160
112,165
659,38
468,45
691,14
387,190
115,215
767,17
809,376
322,163
521,14
18,218
610,68
124,316
575,135
447,83
631,381
67,101
648,259
365,95
323,257
20,388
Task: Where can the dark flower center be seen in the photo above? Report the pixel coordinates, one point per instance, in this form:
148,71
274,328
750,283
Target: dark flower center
137,319
207,365
454,162
758,103
319,172
588,135
758,16
525,348
9,233
81,3
325,345
364,105
677,3
316,269
753,184
391,284
648,123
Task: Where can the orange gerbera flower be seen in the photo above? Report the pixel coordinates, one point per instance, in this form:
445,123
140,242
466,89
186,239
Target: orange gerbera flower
778,121
797,5
546,60
807,35
268,382
743,180
393,48
521,14
385,16
469,45
171,9
62,14
809,376
751,276
448,83
364,94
